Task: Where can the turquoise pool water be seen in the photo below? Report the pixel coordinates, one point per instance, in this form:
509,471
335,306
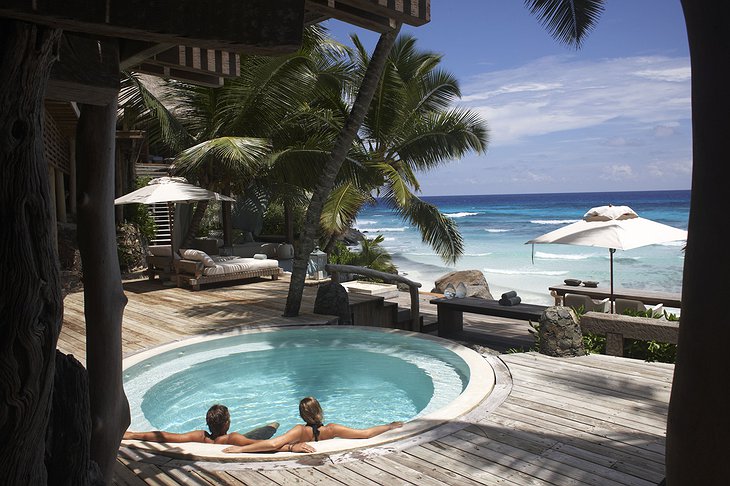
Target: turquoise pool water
361,378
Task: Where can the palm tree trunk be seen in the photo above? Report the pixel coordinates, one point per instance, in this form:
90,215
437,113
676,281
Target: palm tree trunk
327,178
289,221
329,247
31,305
227,220
697,425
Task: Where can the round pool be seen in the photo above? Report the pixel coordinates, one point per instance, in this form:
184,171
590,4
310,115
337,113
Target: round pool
361,376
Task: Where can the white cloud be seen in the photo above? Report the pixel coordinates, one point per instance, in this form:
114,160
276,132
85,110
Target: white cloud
662,131
556,94
618,172
670,169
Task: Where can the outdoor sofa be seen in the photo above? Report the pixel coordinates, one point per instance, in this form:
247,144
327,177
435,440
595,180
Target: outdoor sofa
196,268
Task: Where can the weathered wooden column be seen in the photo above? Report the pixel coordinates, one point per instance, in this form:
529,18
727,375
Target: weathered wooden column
698,422
31,307
104,298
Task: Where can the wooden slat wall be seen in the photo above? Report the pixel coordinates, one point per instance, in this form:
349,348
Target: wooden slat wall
55,145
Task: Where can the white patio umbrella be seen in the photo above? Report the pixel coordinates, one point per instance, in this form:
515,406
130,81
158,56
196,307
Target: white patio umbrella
170,190
612,227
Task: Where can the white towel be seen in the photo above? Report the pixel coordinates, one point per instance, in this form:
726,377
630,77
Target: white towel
260,256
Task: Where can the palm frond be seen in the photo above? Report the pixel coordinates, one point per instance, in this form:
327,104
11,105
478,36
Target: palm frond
568,21
440,137
243,156
437,230
161,125
341,208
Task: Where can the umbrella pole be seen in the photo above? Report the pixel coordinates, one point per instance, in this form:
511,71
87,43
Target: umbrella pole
611,251
170,222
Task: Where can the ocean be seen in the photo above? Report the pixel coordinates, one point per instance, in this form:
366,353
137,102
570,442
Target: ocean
496,227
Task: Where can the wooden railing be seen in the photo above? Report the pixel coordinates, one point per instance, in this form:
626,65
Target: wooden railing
336,270
617,327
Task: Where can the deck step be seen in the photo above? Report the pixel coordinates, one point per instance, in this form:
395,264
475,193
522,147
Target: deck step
429,324
387,291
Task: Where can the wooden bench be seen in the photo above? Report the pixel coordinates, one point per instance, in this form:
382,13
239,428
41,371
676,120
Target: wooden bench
451,312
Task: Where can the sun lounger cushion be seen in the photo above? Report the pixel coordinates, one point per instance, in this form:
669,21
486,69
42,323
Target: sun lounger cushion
198,256
160,250
226,265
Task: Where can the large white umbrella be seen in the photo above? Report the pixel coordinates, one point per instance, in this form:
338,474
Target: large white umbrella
612,227
170,190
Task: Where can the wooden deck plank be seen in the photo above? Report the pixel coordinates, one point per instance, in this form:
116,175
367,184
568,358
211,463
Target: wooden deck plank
433,474
587,420
376,475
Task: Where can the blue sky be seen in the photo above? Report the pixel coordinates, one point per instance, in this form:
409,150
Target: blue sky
612,116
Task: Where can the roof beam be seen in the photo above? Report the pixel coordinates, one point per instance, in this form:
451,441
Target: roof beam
250,26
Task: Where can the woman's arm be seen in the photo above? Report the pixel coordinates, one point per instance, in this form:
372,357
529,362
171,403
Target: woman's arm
162,436
280,443
348,433
234,438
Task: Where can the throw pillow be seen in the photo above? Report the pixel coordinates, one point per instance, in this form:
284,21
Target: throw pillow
198,256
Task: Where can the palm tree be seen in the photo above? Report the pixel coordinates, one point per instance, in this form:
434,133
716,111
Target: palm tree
697,424
410,127
225,137
327,178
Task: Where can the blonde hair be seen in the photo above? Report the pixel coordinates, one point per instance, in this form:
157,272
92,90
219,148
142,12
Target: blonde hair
311,411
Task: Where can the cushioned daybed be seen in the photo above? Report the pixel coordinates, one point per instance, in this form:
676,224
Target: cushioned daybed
196,268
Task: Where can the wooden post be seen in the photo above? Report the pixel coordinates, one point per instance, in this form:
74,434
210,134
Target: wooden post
104,299
31,306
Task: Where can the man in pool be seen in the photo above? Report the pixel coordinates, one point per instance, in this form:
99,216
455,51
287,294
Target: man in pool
218,420
295,440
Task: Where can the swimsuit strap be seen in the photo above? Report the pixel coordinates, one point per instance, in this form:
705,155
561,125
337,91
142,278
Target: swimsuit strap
211,436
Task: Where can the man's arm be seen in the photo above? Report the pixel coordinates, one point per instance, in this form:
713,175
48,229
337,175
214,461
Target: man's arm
162,436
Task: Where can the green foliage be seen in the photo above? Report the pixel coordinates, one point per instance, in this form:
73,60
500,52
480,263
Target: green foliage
211,222
342,255
129,246
594,343
139,215
274,223
371,255
650,351
633,348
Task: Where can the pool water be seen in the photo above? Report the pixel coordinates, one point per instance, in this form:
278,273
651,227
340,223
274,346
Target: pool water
361,377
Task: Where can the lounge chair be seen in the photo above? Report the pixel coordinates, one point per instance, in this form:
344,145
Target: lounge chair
622,305
196,268
577,301
160,262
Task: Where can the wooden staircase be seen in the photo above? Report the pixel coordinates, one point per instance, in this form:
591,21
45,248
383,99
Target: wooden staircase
162,219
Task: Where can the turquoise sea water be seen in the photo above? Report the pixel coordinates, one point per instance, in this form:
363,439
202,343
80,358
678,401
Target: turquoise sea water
496,227
361,378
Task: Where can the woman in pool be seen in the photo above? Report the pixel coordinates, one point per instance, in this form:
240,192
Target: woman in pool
295,440
218,420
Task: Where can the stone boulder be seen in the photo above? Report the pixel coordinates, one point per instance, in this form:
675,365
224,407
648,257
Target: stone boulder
476,284
560,334
332,300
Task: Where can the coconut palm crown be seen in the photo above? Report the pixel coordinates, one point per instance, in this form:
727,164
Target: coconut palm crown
411,127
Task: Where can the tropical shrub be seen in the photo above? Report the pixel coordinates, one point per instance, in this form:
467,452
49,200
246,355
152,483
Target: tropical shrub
371,255
649,351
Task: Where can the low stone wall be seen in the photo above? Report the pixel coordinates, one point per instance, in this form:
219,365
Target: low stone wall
618,327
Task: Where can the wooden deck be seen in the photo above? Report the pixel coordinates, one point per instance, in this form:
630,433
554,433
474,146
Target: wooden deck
593,420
